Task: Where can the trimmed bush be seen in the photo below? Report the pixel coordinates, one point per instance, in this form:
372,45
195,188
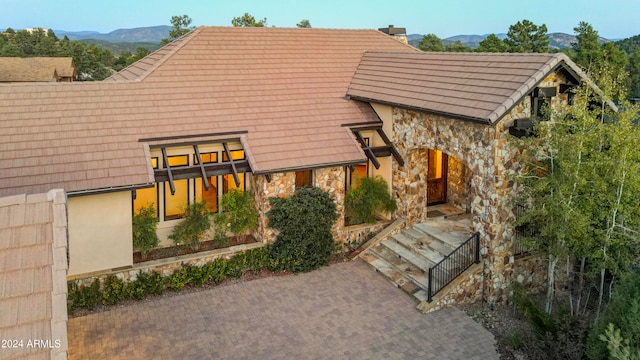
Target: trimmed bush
370,197
304,221
113,291
145,223
81,296
191,230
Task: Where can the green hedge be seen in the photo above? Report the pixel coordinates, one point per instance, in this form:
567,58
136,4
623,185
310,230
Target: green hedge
114,290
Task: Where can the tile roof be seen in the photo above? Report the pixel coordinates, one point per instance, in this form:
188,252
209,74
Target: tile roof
33,289
285,87
477,86
35,69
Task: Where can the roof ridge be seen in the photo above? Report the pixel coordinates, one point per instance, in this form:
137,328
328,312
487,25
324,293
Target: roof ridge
177,44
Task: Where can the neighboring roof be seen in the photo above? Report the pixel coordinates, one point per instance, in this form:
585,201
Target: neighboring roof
476,86
33,282
35,69
284,86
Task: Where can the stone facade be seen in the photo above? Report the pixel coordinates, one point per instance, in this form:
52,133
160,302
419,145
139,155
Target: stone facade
467,288
482,162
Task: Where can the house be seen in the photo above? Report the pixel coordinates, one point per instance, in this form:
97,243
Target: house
37,69
270,109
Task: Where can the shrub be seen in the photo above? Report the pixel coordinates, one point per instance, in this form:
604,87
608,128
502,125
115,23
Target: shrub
369,198
113,291
145,223
238,213
81,296
623,312
304,221
180,278
196,222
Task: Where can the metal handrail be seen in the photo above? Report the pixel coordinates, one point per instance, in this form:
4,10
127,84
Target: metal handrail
458,261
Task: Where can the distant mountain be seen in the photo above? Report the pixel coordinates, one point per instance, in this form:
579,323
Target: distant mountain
556,40
150,34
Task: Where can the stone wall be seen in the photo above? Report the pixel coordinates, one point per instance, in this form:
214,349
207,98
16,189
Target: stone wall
458,180
489,159
332,180
281,185
467,288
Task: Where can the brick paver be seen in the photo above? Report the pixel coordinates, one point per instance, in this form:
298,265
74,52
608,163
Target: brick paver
345,311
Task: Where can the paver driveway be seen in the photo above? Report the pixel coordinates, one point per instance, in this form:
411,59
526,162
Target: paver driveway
345,311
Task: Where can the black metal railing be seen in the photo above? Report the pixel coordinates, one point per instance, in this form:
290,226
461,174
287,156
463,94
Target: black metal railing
454,264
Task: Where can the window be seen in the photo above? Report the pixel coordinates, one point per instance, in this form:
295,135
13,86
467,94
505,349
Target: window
143,197
173,204
228,182
211,195
540,102
359,171
304,178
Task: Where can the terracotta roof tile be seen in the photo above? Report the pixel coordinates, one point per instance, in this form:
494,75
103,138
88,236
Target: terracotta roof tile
283,86
479,86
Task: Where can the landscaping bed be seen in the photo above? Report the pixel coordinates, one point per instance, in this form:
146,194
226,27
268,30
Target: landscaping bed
172,251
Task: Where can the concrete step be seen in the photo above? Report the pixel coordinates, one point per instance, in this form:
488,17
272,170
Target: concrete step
410,271
390,272
419,261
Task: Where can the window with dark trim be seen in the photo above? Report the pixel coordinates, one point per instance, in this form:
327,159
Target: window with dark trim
304,178
211,195
228,182
146,196
359,171
174,204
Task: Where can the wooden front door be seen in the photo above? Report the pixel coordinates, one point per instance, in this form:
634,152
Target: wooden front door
436,177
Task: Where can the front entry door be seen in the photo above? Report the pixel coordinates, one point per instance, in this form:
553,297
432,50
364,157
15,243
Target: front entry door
436,177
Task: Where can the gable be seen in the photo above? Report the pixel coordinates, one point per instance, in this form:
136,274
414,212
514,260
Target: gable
481,87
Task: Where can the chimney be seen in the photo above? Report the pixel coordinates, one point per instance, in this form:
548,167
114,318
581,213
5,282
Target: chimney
399,34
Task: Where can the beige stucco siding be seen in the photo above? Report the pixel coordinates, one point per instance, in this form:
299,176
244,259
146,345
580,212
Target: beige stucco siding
100,234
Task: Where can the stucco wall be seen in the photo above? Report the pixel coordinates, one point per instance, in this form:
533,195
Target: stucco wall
100,233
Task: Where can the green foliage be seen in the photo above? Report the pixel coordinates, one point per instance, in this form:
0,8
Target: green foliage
180,278
145,284
581,177
180,27
238,212
370,197
145,223
430,42
248,20
492,43
192,229
304,221
92,62
623,313
618,347
81,296
303,24
457,46
527,37
559,335
114,290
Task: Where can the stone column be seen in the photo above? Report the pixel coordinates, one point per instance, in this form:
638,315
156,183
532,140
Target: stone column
332,180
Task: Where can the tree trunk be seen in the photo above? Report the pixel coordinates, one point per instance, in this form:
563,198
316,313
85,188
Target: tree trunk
600,294
551,282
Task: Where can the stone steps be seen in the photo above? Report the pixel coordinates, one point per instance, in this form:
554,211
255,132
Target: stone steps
405,258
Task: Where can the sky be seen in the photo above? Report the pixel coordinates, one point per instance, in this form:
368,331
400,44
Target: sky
613,19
